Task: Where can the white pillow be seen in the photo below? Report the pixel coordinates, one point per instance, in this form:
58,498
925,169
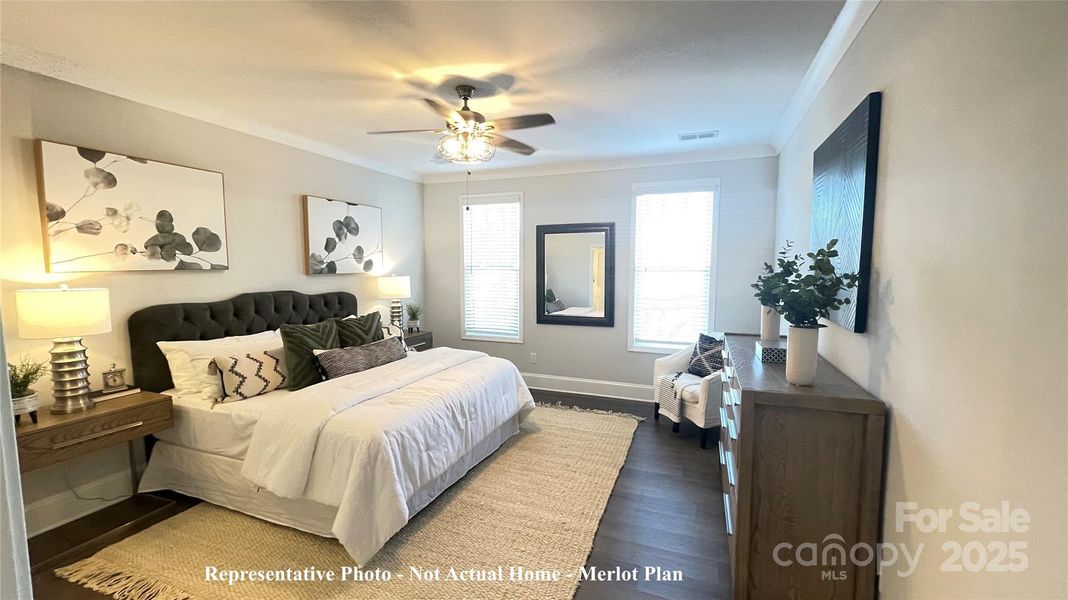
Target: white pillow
191,362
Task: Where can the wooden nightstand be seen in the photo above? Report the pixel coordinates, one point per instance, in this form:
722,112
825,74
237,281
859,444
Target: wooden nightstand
56,438
424,340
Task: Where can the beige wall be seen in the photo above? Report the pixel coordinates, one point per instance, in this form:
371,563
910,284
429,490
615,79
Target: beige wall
746,207
264,182
967,330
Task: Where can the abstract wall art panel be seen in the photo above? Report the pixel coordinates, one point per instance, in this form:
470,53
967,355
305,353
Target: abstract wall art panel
843,202
341,237
102,211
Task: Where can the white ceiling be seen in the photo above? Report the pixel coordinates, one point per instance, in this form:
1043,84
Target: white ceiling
622,79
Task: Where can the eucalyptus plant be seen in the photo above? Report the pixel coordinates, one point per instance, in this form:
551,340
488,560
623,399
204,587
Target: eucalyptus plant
24,374
808,297
772,282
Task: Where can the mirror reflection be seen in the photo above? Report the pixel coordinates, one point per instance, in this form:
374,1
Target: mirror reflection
574,274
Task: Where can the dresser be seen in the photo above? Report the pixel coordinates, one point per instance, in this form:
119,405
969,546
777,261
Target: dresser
423,340
800,465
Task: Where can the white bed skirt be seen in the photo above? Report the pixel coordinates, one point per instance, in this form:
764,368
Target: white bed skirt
217,479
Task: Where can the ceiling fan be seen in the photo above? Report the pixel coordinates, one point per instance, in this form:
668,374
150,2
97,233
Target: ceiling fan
468,137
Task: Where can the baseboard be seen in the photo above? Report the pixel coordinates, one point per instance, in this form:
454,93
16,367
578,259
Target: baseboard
589,387
62,508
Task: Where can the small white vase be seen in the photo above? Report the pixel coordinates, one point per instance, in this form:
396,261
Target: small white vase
802,354
769,324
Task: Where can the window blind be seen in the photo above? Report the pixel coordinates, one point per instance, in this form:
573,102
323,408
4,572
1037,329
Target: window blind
672,268
492,302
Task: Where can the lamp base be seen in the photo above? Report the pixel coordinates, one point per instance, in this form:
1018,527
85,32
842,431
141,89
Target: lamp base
70,376
396,313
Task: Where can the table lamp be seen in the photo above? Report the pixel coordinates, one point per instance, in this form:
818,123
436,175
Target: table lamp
397,289
64,315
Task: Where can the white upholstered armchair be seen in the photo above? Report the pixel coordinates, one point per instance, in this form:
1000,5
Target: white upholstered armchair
699,397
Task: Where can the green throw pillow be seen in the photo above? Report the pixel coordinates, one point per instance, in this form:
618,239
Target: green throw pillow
360,331
299,341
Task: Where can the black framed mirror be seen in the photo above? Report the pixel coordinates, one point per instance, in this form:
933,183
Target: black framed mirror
576,271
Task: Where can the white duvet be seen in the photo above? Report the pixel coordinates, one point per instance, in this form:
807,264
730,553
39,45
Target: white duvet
417,417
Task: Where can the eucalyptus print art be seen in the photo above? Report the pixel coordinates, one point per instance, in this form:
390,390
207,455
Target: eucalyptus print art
342,237
112,212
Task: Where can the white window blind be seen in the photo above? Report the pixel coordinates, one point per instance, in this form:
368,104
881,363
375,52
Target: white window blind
672,267
492,302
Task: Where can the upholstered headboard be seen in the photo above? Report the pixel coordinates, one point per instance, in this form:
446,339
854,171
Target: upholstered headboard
241,315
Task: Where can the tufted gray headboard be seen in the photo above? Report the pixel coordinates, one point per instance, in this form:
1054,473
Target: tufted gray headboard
241,315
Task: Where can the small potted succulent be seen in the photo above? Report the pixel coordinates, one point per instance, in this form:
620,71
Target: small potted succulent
414,313
22,376
805,299
769,286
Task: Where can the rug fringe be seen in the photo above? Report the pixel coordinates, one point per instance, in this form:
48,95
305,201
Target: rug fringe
561,406
104,577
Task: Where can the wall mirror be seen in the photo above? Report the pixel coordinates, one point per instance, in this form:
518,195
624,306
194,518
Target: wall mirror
576,274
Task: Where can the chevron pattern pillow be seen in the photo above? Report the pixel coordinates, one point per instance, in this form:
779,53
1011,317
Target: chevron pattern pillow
299,341
250,374
346,361
707,357
357,331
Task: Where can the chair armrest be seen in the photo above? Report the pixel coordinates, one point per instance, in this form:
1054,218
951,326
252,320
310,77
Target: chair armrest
711,388
678,361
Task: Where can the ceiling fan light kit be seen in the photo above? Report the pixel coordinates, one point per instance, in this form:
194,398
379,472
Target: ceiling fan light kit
469,138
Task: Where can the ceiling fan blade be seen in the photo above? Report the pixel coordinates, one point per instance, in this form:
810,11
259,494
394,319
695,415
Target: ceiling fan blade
444,110
509,144
523,122
406,131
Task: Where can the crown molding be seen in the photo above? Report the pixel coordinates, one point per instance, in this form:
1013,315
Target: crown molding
609,164
846,27
57,67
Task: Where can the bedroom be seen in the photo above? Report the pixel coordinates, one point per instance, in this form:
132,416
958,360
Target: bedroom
685,140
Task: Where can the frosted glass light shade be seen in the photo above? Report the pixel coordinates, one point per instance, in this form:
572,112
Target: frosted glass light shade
395,287
62,312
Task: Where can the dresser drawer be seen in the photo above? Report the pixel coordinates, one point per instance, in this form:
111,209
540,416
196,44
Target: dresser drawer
92,432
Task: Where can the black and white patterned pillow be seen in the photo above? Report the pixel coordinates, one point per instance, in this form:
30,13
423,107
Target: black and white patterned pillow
251,374
707,357
346,361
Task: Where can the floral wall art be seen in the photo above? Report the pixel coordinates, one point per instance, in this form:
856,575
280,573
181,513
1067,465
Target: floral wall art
102,211
341,237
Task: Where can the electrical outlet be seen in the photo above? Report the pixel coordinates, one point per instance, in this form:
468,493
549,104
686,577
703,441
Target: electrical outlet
533,358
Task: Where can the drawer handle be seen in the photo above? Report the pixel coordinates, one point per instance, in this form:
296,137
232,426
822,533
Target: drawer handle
727,513
729,464
99,434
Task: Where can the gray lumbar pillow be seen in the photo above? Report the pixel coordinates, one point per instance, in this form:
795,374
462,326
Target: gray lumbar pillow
346,361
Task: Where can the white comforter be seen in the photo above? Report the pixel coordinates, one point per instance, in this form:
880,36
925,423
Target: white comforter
418,415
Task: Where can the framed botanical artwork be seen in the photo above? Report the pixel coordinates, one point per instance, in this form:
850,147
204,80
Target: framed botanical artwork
103,211
341,237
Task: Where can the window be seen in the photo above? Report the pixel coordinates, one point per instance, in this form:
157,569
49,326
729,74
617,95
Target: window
673,265
492,303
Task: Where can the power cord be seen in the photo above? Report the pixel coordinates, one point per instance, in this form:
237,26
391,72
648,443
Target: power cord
74,490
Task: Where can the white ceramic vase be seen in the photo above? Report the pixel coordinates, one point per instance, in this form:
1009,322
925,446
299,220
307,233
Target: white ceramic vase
25,404
802,354
769,324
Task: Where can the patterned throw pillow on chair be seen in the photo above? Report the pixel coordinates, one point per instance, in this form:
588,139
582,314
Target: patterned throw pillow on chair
250,374
707,357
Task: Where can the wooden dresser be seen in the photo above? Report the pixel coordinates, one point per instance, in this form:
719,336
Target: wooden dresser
799,464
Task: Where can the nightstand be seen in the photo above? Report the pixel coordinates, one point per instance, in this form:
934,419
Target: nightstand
56,438
423,340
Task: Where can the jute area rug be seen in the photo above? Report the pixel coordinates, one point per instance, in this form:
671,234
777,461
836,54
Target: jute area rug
527,511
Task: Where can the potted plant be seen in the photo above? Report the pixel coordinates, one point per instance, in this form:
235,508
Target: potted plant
22,376
770,285
414,312
805,299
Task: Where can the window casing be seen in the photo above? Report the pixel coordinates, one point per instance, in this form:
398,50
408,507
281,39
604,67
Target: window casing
492,306
673,264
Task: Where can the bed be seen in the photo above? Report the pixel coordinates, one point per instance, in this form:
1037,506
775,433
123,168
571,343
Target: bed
352,458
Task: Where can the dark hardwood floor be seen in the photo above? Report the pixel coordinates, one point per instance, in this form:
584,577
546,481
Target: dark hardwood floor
665,511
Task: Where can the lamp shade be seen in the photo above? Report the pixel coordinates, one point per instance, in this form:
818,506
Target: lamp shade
395,287
62,312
